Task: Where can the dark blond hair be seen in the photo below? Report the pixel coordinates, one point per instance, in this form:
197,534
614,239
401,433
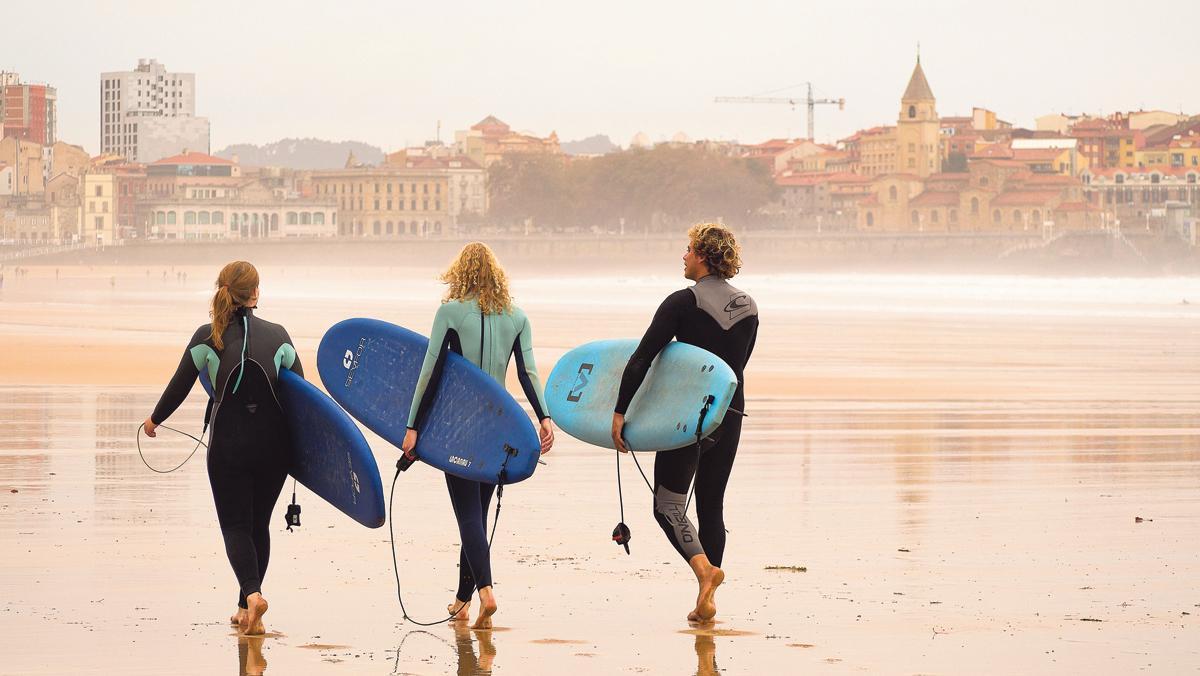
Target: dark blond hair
717,247
236,284
475,273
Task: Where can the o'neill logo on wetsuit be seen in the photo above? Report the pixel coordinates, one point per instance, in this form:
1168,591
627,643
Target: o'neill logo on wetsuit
737,305
350,360
461,462
581,382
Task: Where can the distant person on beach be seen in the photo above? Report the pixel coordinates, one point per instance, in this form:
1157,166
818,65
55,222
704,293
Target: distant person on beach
478,320
713,315
249,446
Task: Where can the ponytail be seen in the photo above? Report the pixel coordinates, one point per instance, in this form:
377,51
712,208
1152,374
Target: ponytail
236,285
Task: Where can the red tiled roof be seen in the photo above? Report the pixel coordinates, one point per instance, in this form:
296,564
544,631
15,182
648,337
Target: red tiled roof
994,150
1035,154
1017,198
935,198
192,158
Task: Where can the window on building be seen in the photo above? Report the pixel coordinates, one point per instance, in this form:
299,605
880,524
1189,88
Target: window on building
306,218
99,191
915,217
1036,217
414,205
892,194
291,218
390,225
996,216
933,216
170,218
983,181
400,189
1016,217
870,219
319,218
912,112
189,218
376,191
953,215
376,228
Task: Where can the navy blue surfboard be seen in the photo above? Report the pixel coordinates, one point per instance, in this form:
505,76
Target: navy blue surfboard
474,426
582,392
330,456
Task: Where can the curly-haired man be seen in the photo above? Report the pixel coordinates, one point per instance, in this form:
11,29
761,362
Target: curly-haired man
711,314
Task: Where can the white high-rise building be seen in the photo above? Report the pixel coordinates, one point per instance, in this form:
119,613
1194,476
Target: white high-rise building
149,113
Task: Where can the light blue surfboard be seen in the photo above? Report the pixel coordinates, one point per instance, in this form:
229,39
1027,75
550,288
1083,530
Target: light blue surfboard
474,426
582,392
329,455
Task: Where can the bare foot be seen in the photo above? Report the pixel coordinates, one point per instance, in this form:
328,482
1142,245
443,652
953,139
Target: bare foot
236,618
487,608
706,600
693,616
256,607
459,611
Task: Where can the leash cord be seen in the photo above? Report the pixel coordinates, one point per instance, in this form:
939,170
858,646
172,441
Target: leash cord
396,563
138,438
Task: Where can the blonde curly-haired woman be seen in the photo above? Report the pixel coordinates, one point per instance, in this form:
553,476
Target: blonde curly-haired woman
478,320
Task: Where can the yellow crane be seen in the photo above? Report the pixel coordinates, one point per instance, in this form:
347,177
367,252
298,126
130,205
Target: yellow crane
808,101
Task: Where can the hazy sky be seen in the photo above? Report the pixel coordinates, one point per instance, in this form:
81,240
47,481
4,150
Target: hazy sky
387,72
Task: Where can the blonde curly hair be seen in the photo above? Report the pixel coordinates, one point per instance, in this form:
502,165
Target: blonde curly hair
475,273
715,244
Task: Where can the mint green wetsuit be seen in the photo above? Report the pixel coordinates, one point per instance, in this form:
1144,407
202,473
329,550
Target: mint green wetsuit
488,341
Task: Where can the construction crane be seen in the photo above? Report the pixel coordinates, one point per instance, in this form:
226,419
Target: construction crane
808,101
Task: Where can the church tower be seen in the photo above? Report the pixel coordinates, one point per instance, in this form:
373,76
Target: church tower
917,130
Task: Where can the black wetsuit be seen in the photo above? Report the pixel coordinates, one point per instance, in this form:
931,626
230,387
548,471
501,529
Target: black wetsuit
249,448
713,315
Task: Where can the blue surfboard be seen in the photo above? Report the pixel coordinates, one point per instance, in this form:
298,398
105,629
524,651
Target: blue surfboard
582,392
330,456
474,426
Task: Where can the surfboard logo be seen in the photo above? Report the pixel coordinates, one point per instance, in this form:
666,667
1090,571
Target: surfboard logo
353,480
461,462
350,360
737,305
581,381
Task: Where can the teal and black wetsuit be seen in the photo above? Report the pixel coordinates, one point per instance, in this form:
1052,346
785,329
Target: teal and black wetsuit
713,315
249,447
489,341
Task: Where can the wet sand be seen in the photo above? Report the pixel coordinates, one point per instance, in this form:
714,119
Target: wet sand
939,475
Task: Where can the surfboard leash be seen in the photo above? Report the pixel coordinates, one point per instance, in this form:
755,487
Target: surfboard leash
403,464
138,439
621,534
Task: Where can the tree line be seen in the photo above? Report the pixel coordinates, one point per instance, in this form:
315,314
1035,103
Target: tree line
648,188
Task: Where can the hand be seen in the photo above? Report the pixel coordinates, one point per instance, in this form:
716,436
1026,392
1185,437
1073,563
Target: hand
618,428
410,442
148,428
546,434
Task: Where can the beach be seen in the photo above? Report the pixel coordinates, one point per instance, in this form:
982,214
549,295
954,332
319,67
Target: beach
940,474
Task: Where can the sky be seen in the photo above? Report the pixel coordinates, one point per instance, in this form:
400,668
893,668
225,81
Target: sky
387,73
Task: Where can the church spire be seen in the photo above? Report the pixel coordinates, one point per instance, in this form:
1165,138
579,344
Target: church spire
918,87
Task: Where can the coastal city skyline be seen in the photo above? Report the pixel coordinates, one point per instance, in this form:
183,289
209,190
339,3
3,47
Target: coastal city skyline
658,81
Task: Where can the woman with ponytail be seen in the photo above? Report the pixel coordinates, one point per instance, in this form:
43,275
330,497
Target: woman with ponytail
248,448
478,320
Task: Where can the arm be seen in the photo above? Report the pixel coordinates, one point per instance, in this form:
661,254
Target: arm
527,371
180,384
660,332
440,338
